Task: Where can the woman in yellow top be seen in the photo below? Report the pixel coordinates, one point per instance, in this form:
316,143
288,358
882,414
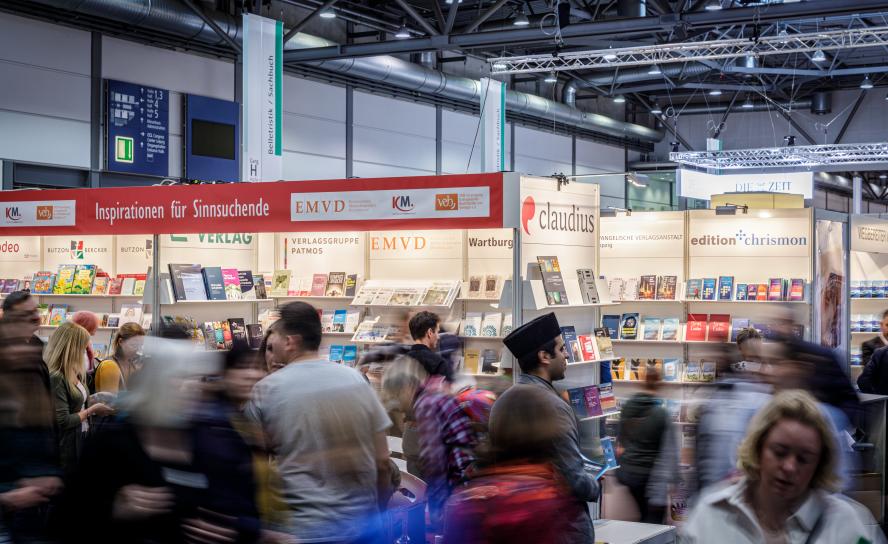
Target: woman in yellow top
112,374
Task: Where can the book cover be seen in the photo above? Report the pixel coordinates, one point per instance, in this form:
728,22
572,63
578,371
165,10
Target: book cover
604,344
696,328
436,295
115,286
238,330
43,283
737,325
488,358
100,285
629,326
472,361
617,368
607,398
351,283
8,286
708,292
254,335
247,284
752,291
336,351
318,285
647,287
507,325
693,372
352,320
670,329
707,371
694,289
797,290
588,289
65,280
175,278
475,286
616,286
212,277
670,370
339,321
588,348
231,284
57,314
490,325
569,335
666,287
335,285
280,283
719,327
637,369
577,399
350,355
553,282
83,279
217,336
261,292
365,295
612,323
741,291
227,338
139,286
129,284
491,287
630,289
130,313
652,327
761,292
592,401
326,320
725,287
192,282
471,325
775,289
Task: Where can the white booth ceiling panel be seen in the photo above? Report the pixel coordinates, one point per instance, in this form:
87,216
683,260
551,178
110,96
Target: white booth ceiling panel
302,166
40,91
384,147
394,115
373,170
48,140
34,43
313,99
543,145
182,72
313,135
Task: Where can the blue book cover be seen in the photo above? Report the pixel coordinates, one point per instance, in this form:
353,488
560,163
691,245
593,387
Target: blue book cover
339,321
350,355
569,335
212,277
737,325
336,354
670,370
695,287
725,287
605,372
578,401
741,291
708,291
612,323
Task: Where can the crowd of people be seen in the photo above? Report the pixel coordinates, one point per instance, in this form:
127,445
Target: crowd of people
161,443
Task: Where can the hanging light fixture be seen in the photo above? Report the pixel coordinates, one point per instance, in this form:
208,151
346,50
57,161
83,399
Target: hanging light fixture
713,5
715,92
610,55
747,104
867,83
521,18
499,65
619,99
818,56
551,77
327,14
656,110
402,33
654,70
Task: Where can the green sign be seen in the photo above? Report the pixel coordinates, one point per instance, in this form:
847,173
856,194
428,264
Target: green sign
123,149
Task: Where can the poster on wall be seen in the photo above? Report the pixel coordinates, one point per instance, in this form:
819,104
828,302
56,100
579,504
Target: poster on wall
262,79
493,125
137,129
831,283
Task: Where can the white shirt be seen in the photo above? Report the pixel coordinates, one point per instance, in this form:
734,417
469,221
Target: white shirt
723,516
84,425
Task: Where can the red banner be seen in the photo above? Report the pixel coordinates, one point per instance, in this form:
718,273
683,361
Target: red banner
432,202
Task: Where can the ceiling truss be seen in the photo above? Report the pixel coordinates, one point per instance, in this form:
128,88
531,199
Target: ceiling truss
810,156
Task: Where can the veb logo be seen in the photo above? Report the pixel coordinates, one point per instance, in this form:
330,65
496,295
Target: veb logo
12,214
77,249
448,202
402,203
44,213
528,210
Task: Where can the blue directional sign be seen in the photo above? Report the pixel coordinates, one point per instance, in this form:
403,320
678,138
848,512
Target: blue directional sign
137,121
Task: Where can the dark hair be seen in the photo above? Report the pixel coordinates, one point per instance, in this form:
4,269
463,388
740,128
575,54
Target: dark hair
884,314
241,356
421,323
748,333
301,319
530,361
523,425
14,299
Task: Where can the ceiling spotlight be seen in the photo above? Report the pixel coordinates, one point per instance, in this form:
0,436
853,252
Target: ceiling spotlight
499,65
867,83
327,14
619,99
713,5
747,104
883,177
715,92
886,97
789,140
609,56
402,33
674,146
551,77
783,35
521,19
818,56
451,1
656,110
654,70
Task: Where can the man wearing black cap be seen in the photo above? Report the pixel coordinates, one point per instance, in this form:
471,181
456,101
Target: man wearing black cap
542,356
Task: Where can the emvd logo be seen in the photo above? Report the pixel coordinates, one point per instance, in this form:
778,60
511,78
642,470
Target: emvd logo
12,214
402,203
528,210
77,249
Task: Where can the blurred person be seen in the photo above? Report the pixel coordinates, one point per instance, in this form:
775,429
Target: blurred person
723,418
647,441
874,378
265,354
112,375
326,428
446,438
90,322
788,461
541,354
870,346
516,494
64,357
29,464
166,469
425,327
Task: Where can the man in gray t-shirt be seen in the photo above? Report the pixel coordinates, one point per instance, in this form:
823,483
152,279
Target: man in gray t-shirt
327,429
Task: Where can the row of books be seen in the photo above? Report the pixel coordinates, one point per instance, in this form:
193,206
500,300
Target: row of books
490,324
11,285
55,314
374,330
218,335
484,287
477,361
195,282
670,370
869,288
723,288
84,279
553,282
343,354
647,287
377,293
587,347
630,326
866,322
593,400
339,320
332,284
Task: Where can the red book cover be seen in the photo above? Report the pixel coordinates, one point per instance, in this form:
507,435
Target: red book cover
797,290
587,346
696,329
775,291
762,293
115,286
318,285
719,327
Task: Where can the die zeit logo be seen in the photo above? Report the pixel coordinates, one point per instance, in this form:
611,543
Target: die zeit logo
448,202
44,213
12,214
402,203
563,219
317,206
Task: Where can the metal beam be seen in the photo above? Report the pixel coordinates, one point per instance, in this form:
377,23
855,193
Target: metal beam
439,15
796,126
429,29
850,117
484,16
451,17
212,24
301,24
664,122
721,124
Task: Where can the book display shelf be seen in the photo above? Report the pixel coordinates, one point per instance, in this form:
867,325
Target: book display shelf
868,273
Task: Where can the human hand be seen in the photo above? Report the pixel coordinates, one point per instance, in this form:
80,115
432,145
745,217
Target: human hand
24,497
100,410
202,531
134,502
50,485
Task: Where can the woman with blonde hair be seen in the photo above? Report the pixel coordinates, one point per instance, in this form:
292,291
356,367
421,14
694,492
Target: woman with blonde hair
113,374
788,460
64,357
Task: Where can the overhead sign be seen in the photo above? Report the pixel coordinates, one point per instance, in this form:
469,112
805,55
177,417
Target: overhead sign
262,77
493,125
422,202
212,139
694,184
787,235
137,121
869,234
